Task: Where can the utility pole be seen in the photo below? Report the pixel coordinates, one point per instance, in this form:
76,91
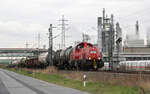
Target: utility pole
50,50
39,39
63,30
27,44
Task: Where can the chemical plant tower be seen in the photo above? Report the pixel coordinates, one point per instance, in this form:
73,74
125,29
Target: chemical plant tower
107,38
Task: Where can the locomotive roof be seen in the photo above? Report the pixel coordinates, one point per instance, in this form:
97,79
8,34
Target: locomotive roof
85,42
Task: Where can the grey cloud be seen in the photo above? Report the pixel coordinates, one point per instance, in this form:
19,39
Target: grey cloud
33,16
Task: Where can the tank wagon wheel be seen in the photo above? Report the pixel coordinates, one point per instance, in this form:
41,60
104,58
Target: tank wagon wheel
72,65
77,66
67,67
60,67
95,69
101,63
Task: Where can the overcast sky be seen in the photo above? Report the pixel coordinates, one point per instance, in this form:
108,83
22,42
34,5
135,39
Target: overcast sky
22,20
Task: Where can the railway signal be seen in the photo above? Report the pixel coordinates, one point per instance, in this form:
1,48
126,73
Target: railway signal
50,49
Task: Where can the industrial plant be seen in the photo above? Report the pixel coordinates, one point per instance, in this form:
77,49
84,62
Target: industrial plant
110,43
114,48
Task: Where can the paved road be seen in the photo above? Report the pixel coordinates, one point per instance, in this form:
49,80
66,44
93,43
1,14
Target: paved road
13,83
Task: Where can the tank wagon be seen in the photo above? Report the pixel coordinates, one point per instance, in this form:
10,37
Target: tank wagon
140,65
82,56
37,61
32,62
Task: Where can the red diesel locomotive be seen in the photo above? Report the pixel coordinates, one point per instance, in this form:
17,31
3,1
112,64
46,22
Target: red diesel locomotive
83,56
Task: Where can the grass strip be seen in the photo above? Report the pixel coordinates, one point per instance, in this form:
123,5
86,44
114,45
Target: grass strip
92,87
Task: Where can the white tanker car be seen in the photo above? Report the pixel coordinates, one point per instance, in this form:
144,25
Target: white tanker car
141,65
135,65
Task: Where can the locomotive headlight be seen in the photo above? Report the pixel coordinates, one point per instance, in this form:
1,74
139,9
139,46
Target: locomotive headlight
89,58
99,58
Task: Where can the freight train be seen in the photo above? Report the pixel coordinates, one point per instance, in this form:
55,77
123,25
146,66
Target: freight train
83,56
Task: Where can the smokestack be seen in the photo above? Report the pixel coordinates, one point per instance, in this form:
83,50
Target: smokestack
103,18
112,19
99,21
99,40
137,28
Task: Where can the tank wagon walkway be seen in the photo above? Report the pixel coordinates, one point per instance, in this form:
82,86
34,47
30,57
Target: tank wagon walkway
13,83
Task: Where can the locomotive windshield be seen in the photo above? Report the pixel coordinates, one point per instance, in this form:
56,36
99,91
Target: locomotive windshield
93,52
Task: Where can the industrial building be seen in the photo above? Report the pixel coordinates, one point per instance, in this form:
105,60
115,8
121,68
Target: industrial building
137,48
110,42
135,40
109,39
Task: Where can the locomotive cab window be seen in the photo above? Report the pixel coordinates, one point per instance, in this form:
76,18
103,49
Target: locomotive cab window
89,45
79,46
82,45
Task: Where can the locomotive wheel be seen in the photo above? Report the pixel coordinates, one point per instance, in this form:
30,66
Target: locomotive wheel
77,65
95,69
68,67
101,64
61,67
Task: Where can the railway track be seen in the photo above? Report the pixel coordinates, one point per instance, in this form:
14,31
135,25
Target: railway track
133,72
118,77
107,71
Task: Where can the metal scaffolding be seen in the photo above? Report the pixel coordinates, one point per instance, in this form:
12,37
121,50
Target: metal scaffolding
63,30
106,38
